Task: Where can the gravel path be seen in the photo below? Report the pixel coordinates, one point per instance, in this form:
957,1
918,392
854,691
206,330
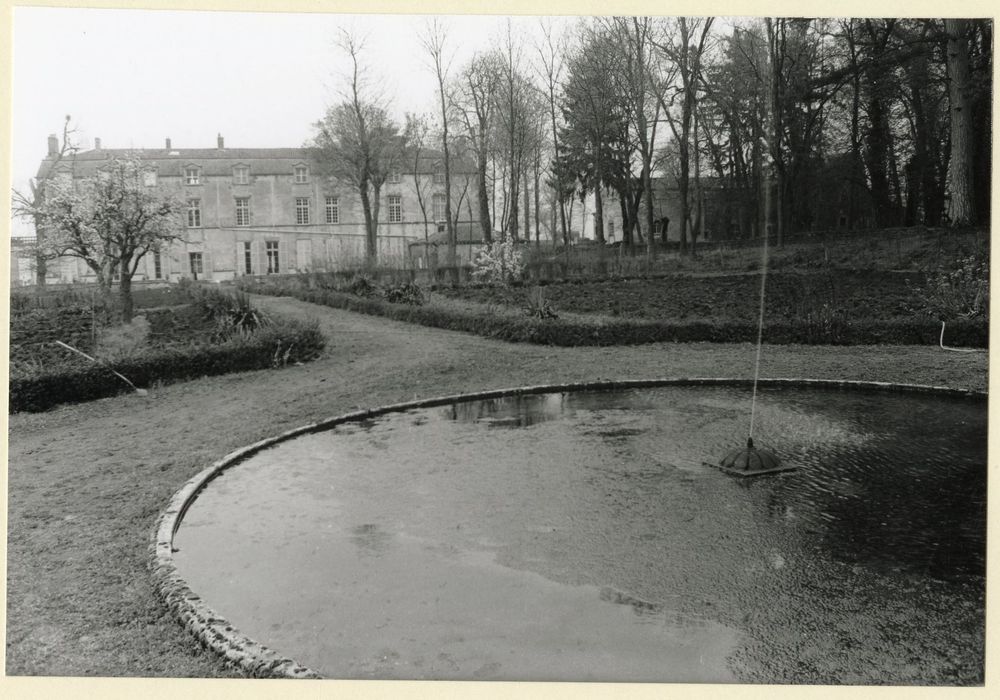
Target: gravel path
87,482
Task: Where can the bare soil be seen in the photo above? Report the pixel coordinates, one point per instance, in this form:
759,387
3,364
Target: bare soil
87,482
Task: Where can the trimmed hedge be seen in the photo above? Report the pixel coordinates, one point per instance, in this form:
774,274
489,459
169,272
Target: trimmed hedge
272,346
614,331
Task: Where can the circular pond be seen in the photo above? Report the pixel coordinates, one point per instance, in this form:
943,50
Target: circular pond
584,535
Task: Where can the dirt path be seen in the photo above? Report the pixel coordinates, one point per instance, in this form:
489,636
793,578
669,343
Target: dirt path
87,482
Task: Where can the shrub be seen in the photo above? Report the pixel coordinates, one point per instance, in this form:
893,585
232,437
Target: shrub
537,306
963,292
363,286
231,312
405,293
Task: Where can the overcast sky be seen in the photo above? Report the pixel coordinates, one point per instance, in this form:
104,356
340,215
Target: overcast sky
134,77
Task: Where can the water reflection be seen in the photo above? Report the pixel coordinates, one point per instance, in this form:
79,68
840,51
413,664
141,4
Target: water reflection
509,411
885,480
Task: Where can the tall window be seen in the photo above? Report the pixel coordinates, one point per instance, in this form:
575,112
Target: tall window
395,208
241,175
194,213
439,177
149,178
301,173
438,207
271,247
192,175
196,264
242,211
302,210
332,210
157,266
248,257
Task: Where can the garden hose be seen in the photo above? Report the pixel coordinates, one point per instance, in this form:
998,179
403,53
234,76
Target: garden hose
943,347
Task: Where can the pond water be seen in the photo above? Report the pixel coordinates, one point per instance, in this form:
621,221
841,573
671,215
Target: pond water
587,536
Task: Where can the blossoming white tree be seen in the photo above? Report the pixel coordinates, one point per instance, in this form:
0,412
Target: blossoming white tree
110,221
499,261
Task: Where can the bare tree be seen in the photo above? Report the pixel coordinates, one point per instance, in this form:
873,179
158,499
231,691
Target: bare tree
417,130
477,84
551,62
518,110
433,40
359,143
684,44
640,82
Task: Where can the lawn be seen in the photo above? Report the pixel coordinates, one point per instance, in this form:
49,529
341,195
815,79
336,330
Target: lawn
87,482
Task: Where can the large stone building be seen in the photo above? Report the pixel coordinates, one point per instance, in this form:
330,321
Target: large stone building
256,211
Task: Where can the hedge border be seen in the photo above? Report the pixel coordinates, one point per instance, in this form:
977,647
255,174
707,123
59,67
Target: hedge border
76,385
256,660
600,331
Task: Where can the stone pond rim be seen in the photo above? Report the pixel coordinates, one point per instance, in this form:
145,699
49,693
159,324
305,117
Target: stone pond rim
216,633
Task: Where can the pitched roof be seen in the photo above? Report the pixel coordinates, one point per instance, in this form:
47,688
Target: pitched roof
212,161
221,161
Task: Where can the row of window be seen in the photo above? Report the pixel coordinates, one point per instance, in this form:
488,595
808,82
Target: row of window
197,265
241,175
303,214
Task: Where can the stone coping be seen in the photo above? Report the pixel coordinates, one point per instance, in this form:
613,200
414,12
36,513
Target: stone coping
258,661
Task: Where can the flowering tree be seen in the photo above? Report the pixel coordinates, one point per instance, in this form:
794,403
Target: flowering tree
110,221
499,261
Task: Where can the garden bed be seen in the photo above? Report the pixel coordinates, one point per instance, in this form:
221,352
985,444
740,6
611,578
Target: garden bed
855,295
871,308
214,333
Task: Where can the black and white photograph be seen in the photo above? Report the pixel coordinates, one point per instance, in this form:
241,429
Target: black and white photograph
630,348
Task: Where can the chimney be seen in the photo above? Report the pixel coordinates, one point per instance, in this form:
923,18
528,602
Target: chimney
168,143
221,142
97,143
53,145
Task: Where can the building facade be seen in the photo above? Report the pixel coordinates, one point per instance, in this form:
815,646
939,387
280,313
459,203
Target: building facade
257,211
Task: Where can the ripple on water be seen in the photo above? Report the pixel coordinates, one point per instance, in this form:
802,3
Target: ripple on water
581,536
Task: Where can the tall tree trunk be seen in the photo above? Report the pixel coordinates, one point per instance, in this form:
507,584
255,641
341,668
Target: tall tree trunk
445,145
558,171
981,67
527,208
962,210
598,214
776,46
855,175
41,263
483,198
538,225
371,245
125,295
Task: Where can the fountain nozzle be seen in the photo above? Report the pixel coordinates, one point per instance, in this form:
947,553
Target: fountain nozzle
750,461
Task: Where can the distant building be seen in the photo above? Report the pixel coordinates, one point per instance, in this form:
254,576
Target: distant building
720,218
257,211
